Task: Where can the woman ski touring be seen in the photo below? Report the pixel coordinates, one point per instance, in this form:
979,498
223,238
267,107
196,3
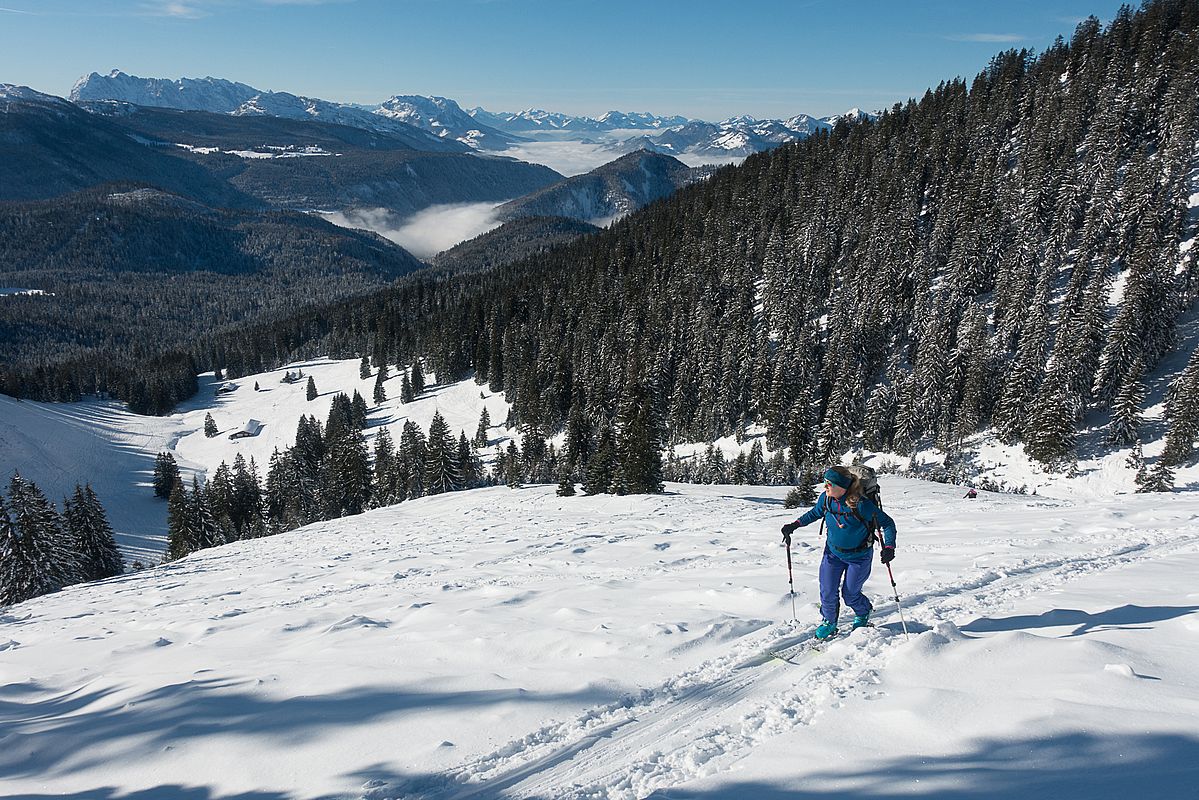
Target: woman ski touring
851,520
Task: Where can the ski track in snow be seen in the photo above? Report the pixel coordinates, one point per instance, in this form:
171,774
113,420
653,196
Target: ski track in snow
700,721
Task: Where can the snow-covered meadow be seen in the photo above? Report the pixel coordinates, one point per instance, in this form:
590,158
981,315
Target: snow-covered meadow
510,643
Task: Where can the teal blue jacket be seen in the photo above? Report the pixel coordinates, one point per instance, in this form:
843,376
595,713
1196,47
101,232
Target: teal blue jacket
848,537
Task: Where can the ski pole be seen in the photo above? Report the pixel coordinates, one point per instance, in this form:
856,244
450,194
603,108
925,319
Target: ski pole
895,589
791,583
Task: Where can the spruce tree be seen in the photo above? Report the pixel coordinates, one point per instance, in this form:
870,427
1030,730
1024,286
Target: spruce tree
418,378
640,434
566,483
166,474
210,429
208,532
364,368
49,562
1126,412
513,476
441,458
310,390
383,485
13,561
1158,479
1182,411
406,394
469,465
481,433
181,524
411,459
92,537
380,394
359,411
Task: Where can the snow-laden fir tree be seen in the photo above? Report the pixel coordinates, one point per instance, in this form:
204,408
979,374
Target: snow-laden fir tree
481,433
1182,411
383,486
49,561
91,536
418,378
380,393
441,458
166,474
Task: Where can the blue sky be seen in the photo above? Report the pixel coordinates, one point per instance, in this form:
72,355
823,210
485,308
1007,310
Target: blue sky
701,58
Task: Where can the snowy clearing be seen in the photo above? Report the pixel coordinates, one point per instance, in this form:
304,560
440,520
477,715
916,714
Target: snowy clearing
513,644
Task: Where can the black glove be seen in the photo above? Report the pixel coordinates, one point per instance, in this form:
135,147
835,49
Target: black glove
789,529
887,554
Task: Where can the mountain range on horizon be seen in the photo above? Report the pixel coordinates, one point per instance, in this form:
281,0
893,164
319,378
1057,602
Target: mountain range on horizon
444,122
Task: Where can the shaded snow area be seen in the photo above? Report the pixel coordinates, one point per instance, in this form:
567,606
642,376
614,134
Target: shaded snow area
513,644
57,445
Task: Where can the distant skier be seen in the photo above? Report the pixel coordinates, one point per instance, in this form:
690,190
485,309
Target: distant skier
970,495
851,520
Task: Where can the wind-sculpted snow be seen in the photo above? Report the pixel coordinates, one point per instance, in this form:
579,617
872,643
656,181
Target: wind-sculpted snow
513,644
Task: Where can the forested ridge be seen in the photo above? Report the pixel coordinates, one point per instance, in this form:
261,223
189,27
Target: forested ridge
128,271
1002,252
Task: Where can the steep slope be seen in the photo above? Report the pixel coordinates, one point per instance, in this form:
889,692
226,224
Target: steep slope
608,192
512,241
49,147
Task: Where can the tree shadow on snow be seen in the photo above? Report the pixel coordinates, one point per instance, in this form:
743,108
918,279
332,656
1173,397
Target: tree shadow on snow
1076,766
1126,617
89,728
166,792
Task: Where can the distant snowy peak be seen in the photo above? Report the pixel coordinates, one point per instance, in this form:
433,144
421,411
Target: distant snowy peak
736,136
444,118
852,115
220,96
9,91
618,120
186,94
535,119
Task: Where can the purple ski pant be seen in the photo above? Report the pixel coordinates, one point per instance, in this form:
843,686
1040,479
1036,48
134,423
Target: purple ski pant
832,570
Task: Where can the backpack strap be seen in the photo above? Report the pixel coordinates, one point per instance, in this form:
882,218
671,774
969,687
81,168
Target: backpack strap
870,527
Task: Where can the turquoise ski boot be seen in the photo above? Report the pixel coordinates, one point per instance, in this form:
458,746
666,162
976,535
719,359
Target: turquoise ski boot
861,621
827,630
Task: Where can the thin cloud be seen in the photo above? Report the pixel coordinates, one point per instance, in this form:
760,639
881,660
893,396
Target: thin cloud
991,38
18,11
174,10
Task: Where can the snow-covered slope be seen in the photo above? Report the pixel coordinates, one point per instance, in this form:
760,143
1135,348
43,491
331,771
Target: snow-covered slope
513,644
57,445
445,119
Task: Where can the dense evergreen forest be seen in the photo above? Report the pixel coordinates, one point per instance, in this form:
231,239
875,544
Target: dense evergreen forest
1003,252
127,270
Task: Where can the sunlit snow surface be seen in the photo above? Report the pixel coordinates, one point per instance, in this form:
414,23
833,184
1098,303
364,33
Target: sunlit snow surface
509,643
